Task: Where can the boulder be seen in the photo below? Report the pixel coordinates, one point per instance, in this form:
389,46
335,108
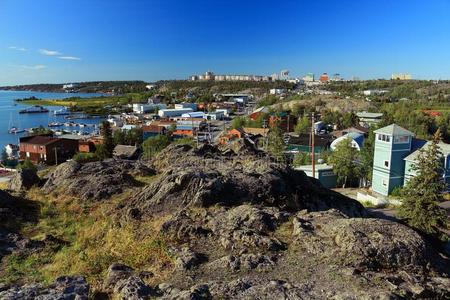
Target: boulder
373,244
95,180
64,288
23,180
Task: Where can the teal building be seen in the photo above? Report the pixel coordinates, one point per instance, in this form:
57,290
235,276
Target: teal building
392,144
323,172
411,159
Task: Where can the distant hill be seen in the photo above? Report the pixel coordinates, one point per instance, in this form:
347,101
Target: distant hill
117,87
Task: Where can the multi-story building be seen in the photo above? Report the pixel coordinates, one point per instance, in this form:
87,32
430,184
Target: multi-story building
211,76
308,77
392,144
324,77
401,76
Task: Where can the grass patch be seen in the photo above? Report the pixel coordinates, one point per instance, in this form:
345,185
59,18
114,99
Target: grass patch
94,240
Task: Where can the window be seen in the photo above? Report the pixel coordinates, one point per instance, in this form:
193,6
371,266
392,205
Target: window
386,163
384,138
28,154
384,182
402,139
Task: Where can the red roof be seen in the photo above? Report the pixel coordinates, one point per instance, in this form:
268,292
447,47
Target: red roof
38,140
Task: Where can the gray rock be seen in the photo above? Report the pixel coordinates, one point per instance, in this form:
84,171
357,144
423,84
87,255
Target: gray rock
246,226
115,273
364,243
23,180
133,288
206,176
186,259
94,180
243,262
65,288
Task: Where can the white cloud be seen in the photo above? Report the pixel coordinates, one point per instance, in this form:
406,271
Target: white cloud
69,57
35,67
17,48
49,52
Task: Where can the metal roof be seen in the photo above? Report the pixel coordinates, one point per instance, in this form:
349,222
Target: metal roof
394,129
445,149
317,167
365,114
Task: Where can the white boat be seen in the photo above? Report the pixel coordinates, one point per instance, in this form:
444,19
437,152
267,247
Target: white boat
55,124
15,130
61,112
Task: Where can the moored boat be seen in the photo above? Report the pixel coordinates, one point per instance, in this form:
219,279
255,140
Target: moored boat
33,109
15,130
62,112
54,124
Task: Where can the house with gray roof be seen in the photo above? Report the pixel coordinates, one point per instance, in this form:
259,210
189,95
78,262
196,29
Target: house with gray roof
396,150
411,159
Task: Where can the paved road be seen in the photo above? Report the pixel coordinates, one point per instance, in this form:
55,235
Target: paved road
389,213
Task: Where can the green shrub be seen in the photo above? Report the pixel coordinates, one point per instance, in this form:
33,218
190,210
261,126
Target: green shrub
26,164
85,157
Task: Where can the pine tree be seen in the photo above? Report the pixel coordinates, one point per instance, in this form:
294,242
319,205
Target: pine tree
420,206
343,160
275,143
105,150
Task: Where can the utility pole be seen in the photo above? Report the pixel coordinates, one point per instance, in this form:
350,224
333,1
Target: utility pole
56,156
312,147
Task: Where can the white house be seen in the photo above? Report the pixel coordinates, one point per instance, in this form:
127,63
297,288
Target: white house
194,114
167,113
277,91
140,108
216,115
357,140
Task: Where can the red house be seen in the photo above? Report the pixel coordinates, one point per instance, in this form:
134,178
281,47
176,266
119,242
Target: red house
46,149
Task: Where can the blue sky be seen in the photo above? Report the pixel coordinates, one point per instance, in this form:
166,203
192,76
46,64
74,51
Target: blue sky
54,41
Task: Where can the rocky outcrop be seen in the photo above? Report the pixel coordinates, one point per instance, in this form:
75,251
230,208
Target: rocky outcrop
14,213
373,244
23,180
95,181
204,177
239,226
65,288
124,282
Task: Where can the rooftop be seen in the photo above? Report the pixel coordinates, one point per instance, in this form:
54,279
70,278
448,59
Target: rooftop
318,167
394,129
445,149
365,114
38,140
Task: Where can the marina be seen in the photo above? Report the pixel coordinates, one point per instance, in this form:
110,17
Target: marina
14,124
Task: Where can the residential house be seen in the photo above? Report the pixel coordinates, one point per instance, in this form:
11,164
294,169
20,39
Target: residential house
357,129
12,151
357,140
152,130
392,144
367,119
282,120
302,143
323,172
411,159
258,113
47,149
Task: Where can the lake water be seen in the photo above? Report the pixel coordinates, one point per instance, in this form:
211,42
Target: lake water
9,114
